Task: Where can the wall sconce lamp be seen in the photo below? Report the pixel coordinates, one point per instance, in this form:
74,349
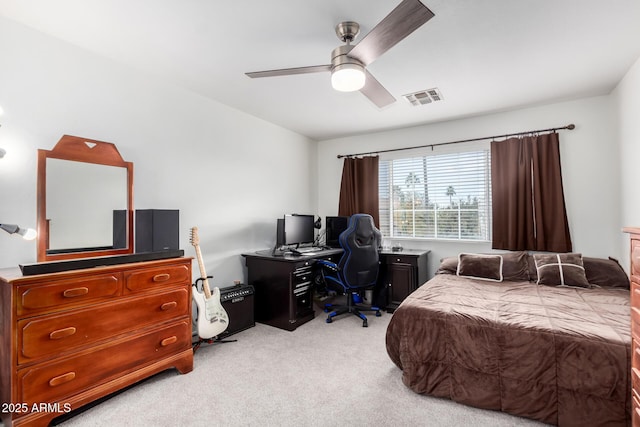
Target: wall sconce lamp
26,233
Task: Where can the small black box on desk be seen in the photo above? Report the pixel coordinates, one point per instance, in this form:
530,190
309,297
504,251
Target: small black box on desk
237,301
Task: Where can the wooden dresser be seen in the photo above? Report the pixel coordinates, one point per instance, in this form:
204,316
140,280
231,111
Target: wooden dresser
634,274
70,338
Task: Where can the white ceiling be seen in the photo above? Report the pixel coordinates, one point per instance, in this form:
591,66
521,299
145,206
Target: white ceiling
484,56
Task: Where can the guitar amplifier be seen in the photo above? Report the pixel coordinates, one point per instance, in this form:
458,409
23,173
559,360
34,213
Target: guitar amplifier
237,301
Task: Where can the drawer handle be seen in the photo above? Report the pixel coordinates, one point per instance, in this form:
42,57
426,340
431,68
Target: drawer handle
64,378
161,277
168,306
62,333
168,341
75,292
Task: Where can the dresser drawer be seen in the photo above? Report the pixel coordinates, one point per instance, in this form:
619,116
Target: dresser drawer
635,323
156,278
635,257
52,382
635,355
635,407
635,293
58,333
61,294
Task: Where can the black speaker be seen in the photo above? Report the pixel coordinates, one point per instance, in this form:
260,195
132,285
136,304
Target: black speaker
119,229
279,232
237,301
157,230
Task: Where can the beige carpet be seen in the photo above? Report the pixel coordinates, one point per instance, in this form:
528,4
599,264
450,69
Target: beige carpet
319,375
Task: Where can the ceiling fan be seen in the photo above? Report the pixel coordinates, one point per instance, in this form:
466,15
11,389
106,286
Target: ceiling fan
348,62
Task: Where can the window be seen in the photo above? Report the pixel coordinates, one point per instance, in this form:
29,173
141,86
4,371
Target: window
441,196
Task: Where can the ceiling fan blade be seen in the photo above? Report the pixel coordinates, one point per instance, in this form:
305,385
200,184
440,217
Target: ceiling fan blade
402,21
290,71
376,92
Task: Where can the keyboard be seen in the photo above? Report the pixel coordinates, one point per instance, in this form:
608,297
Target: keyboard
307,250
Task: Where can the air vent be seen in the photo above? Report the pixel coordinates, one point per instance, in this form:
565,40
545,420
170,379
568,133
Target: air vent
424,97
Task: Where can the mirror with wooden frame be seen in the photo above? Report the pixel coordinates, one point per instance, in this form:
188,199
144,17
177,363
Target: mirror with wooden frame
85,200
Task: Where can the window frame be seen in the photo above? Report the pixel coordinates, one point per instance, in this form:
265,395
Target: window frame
484,201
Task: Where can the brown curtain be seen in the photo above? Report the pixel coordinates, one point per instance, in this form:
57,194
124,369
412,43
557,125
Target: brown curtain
359,188
528,199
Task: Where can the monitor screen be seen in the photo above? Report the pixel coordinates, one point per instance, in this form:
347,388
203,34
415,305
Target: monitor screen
335,226
298,229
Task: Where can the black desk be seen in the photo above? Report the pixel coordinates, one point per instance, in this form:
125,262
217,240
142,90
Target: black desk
284,285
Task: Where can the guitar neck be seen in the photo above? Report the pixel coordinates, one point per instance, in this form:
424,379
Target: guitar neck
203,273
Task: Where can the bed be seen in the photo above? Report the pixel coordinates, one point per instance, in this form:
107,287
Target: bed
518,341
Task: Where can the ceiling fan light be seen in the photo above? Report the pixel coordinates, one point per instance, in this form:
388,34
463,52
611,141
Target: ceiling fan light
348,77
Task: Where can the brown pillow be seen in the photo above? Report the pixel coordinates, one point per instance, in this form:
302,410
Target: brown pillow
480,266
561,270
515,266
533,272
607,273
448,265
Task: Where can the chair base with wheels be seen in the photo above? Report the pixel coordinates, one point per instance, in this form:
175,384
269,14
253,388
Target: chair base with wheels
352,307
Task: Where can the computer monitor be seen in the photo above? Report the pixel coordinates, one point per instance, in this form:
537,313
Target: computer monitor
335,226
298,229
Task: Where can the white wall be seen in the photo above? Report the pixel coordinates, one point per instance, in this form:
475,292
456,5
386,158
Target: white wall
220,166
217,165
589,155
627,99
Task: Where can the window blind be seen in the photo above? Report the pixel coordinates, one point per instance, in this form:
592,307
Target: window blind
439,196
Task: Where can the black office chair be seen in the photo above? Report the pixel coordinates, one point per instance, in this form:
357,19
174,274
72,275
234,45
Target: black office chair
358,268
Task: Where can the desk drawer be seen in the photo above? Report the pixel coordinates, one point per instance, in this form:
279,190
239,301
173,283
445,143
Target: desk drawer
54,334
401,259
62,294
52,382
302,275
156,278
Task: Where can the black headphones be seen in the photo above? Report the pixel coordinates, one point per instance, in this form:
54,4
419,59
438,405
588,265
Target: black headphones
318,223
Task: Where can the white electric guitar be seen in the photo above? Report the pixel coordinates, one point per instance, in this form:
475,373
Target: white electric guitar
212,318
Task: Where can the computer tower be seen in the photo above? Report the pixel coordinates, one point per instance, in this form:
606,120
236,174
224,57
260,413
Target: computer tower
237,301
157,230
335,226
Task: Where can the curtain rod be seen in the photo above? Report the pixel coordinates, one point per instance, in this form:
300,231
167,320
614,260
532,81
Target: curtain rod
570,127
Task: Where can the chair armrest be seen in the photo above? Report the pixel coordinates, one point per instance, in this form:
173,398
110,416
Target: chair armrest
328,265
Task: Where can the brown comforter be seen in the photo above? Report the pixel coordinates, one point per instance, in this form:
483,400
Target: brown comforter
555,354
